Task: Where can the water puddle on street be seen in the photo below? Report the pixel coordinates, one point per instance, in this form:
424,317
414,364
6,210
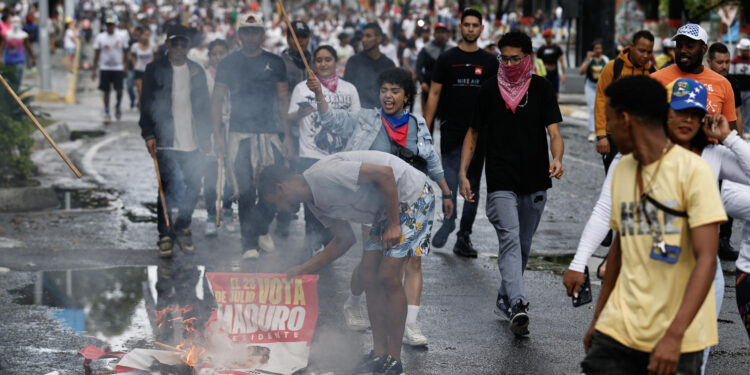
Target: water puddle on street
554,264
117,305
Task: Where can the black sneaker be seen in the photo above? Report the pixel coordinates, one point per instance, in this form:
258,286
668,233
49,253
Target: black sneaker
607,241
368,365
441,236
519,319
464,247
502,308
390,366
726,251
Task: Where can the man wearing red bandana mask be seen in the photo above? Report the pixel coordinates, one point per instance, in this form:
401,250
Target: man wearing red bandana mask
513,115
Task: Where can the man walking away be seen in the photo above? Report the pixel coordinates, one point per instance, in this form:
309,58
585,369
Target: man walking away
175,122
363,69
514,114
656,309
456,81
110,56
633,60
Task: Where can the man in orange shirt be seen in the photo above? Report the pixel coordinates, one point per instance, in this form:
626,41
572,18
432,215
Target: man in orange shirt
692,44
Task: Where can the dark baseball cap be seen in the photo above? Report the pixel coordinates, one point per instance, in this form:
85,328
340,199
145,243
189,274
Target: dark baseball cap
177,31
301,29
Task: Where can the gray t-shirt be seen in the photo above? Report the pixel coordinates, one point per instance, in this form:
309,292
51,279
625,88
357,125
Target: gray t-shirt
337,194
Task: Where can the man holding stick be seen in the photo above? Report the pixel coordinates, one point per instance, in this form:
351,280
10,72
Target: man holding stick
256,83
175,123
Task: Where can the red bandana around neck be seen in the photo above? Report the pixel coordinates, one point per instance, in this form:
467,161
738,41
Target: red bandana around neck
331,83
513,82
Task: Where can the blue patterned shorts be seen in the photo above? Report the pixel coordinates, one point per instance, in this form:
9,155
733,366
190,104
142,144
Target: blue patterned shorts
416,228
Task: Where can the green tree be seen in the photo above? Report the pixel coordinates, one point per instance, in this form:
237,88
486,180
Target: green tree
15,137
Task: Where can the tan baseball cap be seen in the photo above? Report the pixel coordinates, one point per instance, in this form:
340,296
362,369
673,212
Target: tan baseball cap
250,20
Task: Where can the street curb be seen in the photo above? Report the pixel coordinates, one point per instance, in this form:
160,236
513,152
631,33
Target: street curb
59,131
27,199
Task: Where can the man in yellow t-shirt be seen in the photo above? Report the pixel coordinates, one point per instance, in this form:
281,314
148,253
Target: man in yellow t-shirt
656,308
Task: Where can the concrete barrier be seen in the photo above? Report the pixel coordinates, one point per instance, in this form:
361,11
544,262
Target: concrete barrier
27,199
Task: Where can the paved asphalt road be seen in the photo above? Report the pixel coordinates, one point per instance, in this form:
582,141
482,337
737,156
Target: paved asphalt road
96,266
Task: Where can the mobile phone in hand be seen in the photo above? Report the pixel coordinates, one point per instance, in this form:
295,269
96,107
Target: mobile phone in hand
584,292
304,105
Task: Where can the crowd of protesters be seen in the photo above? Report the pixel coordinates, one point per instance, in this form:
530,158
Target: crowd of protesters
319,113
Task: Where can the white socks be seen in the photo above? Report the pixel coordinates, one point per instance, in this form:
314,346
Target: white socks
411,314
353,300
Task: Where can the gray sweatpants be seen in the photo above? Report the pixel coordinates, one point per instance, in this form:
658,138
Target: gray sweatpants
515,218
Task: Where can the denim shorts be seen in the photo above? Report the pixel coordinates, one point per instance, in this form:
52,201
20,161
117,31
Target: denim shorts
416,228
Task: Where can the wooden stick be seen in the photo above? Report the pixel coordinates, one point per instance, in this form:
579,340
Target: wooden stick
294,36
166,347
39,126
161,194
219,177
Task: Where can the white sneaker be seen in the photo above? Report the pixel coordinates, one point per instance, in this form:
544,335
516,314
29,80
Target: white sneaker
413,335
592,136
266,243
251,254
355,317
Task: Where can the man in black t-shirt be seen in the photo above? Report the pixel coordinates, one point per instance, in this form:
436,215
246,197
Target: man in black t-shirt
514,114
256,83
362,69
550,54
456,78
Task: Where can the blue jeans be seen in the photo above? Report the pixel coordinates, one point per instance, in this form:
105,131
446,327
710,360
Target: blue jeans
178,169
451,159
515,218
17,75
590,90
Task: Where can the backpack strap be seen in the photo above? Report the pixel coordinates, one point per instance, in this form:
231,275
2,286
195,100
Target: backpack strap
619,64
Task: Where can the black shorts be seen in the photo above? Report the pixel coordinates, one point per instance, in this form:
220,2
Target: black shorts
139,75
608,357
111,78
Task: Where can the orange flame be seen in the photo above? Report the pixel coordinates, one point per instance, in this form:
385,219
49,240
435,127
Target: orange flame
191,351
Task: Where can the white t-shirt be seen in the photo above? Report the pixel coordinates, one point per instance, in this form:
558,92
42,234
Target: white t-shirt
314,141
390,51
142,56
182,112
111,47
69,41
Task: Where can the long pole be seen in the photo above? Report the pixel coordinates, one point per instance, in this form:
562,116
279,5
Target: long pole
161,194
294,36
39,126
219,177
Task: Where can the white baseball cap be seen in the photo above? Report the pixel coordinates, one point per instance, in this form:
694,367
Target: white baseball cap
692,31
250,20
744,44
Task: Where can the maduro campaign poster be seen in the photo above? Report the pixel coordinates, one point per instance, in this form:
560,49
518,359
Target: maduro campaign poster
263,324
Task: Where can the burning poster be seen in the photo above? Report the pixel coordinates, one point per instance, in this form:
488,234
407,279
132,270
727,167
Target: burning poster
263,324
